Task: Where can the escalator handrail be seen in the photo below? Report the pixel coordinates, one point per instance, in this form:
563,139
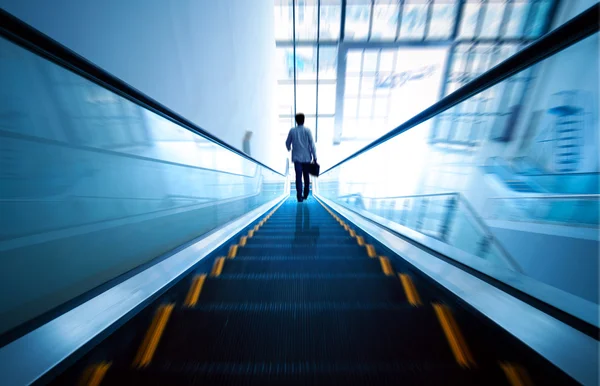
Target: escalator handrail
573,31
483,227
35,41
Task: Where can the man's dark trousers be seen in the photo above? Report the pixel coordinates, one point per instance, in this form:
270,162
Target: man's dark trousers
302,170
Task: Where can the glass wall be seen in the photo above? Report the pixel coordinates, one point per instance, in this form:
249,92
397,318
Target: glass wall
507,185
92,185
359,68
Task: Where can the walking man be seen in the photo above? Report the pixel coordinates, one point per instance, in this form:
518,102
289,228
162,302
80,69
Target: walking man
300,141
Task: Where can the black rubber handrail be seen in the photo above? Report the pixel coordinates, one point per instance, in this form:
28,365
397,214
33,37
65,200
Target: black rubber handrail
35,41
573,31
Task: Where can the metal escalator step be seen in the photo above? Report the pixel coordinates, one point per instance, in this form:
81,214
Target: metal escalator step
296,307
292,228
338,266
347,288
350,335
307,241
314,233
278,239
304,373
300,249
304,258
313,217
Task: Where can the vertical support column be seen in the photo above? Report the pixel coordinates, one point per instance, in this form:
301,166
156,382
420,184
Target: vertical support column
428,20
341,80
399,19
294,47
371,20
317,82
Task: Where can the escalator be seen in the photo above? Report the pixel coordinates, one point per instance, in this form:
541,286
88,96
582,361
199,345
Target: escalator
304,297
144,264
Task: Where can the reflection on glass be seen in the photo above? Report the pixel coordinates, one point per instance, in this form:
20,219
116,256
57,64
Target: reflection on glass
516,21
93,185
507,181
492,19
539,18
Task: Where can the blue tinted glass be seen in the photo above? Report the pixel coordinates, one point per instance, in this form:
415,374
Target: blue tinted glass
540,20
93,185
506,181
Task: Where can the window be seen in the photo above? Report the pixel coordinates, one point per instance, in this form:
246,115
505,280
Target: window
358,15
385,20
390,71
443,17
414,18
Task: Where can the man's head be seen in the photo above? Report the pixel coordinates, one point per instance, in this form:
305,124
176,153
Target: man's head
300,119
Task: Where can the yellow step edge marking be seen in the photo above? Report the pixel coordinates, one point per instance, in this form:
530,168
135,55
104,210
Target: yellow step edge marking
516,374
457,342
243,241
352,233
346,227
232,251
411,291
251,233
150,342
371,250
93,374
256,228
360,240
386,266
195,289
217,266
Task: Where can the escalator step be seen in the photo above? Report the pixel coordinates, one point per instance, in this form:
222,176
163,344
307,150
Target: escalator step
301,249
347,288
285,230
339,266
291,229
303,373
304,258
259,236
307,240
339,335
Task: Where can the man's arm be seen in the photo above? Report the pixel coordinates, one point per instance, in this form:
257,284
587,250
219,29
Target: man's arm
288,141
313,149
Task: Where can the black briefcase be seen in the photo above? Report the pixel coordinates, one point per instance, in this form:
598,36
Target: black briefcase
314,169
